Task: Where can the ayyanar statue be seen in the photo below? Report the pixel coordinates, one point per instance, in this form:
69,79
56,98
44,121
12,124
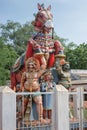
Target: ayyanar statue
42,49
30,83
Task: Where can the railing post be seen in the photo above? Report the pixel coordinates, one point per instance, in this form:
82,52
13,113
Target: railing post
7,109
60,108
81,108
76,102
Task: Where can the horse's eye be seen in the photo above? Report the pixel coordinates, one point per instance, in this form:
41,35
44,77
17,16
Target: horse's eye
41,15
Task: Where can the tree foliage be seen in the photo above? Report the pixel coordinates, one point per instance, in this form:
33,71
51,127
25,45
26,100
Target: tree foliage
7,57
77,55
16,34
13,41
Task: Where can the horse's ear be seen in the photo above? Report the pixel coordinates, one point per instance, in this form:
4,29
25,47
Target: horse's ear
49,7
39,6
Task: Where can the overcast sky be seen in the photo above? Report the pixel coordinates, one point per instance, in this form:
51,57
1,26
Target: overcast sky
69,16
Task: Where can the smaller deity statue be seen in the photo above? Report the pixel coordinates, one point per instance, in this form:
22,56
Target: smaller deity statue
30,83
63,70
47,85
66,77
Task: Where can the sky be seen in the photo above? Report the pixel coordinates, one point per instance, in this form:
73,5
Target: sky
69,16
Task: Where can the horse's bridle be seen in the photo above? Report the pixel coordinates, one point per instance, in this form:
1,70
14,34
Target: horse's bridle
43,23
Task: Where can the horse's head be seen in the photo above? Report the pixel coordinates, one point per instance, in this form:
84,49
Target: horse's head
43,19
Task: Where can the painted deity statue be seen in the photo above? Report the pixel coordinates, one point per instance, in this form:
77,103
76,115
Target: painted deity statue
47,85
63,70
42,49
30,83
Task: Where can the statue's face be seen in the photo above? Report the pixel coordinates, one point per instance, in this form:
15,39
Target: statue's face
32,64
48,77
66,67
31,67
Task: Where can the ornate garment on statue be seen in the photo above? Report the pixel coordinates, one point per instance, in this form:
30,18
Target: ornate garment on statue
44,45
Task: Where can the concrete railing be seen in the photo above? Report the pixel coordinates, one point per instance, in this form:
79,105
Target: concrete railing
7,109
60,110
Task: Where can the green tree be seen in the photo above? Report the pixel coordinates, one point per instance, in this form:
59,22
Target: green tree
16,34
77,55
13,41
7,57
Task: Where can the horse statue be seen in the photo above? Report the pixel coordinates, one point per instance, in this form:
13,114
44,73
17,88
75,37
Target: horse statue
43,47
